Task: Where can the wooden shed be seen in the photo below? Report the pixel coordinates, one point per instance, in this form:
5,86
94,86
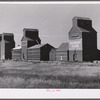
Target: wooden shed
62,52
39,52
16,53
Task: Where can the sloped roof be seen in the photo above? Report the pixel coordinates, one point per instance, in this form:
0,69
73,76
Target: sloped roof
37,46
28,39
63,47
83,30
75,30
16,48
80,29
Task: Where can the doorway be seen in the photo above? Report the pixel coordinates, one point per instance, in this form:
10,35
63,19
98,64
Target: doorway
75,56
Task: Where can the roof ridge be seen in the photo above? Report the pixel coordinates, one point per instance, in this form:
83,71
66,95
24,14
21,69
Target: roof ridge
63,47
40,45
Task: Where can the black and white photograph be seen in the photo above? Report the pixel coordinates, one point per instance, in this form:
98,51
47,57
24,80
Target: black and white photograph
48,46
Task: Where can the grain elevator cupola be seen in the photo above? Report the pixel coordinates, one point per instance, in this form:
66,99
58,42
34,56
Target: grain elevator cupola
82,40
30,38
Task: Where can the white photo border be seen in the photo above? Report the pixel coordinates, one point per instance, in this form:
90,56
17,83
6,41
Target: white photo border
43,93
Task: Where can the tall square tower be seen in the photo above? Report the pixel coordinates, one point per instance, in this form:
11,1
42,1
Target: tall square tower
30,38
6,44
82,40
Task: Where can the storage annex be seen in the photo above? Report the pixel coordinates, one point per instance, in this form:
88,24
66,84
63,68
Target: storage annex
39,52
16,53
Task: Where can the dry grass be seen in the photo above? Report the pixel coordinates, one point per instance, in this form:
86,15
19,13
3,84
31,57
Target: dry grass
49,75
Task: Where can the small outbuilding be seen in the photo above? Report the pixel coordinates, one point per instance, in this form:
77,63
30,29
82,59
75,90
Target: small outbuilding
16,53
39,52
62,52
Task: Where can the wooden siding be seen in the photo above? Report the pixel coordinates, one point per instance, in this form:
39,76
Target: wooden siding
39,52
34,54
45,51
16,55
87,49
78,53
62,56
89,46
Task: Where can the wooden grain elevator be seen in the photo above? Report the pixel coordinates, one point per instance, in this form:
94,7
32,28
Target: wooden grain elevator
82,40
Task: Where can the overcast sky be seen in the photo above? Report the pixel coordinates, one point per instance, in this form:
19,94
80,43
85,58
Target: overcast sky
53,21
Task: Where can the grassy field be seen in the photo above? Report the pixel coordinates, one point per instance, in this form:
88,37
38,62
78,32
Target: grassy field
15,74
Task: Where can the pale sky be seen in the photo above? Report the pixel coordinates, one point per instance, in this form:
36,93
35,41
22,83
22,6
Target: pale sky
53,21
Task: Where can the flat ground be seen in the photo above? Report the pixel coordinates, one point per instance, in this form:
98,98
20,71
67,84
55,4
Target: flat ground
16,74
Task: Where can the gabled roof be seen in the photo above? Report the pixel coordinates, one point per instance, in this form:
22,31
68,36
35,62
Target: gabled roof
75,30
37,46
63,47
80,29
